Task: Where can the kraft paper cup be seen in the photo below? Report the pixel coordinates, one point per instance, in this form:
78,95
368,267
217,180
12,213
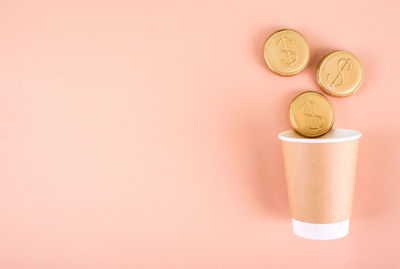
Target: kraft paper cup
320,178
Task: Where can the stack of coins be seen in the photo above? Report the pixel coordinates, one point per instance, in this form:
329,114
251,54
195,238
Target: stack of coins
339,74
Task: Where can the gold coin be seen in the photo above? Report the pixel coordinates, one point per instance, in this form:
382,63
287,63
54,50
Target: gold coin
286,52
311,114
340,74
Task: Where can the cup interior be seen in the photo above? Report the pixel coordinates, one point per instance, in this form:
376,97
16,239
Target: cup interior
335,135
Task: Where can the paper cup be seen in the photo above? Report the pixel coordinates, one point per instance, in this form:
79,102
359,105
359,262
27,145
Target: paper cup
320,178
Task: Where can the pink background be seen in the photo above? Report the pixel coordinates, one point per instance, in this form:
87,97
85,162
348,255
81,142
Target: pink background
143,134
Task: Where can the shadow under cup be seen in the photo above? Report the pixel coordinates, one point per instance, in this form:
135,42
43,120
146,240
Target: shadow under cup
320,180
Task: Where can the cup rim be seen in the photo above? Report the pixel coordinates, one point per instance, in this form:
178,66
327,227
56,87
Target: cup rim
333,136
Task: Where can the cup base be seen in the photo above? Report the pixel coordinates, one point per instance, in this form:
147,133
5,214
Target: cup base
321,231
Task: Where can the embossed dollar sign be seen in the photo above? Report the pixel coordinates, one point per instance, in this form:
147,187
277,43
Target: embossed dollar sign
343,65
291,54
309,109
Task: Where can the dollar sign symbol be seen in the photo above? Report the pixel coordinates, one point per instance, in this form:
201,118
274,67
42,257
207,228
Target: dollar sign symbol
291,54
343,65
309,109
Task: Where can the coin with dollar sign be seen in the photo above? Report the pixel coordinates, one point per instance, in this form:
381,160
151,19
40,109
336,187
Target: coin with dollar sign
286,52
340,74
311,114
